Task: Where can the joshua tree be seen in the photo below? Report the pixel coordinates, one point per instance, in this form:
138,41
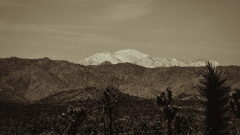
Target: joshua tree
169,111
109,102
235,102
214,98
74,117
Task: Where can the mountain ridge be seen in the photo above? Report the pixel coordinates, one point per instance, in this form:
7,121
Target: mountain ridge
138,58
30,80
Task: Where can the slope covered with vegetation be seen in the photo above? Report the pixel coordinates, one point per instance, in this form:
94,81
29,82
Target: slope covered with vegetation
30,80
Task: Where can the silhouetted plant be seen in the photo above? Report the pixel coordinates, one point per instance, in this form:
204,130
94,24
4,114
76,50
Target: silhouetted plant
109,102
75,117
234,102
214,98
169,111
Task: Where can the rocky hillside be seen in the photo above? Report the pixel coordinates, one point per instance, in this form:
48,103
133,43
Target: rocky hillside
30,80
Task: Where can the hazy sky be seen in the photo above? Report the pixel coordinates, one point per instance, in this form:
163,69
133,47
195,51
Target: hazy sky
75,29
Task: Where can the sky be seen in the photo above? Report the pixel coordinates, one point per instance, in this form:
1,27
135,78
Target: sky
73,30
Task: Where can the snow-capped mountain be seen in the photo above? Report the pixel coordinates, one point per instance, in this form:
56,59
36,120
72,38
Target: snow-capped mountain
202,62
130,56
99,58
138,58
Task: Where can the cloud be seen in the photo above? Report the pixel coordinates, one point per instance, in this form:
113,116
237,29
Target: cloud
124,10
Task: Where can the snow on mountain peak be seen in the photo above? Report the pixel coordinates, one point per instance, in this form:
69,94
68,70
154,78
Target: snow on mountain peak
99,58
129,55
138,58
202,62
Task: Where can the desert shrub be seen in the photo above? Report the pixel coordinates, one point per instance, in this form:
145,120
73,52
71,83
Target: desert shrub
234,102
184,125
74,117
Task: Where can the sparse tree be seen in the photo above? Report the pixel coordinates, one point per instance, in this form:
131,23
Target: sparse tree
109,102
169,111
214,99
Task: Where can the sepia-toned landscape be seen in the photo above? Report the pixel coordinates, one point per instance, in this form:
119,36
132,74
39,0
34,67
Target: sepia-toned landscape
119,67
35,93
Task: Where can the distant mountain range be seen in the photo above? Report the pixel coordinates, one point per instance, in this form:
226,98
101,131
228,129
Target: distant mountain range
33,80
141,59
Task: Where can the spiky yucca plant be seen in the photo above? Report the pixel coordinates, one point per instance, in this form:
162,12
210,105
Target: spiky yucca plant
234,102
169,111
214,99
75,117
